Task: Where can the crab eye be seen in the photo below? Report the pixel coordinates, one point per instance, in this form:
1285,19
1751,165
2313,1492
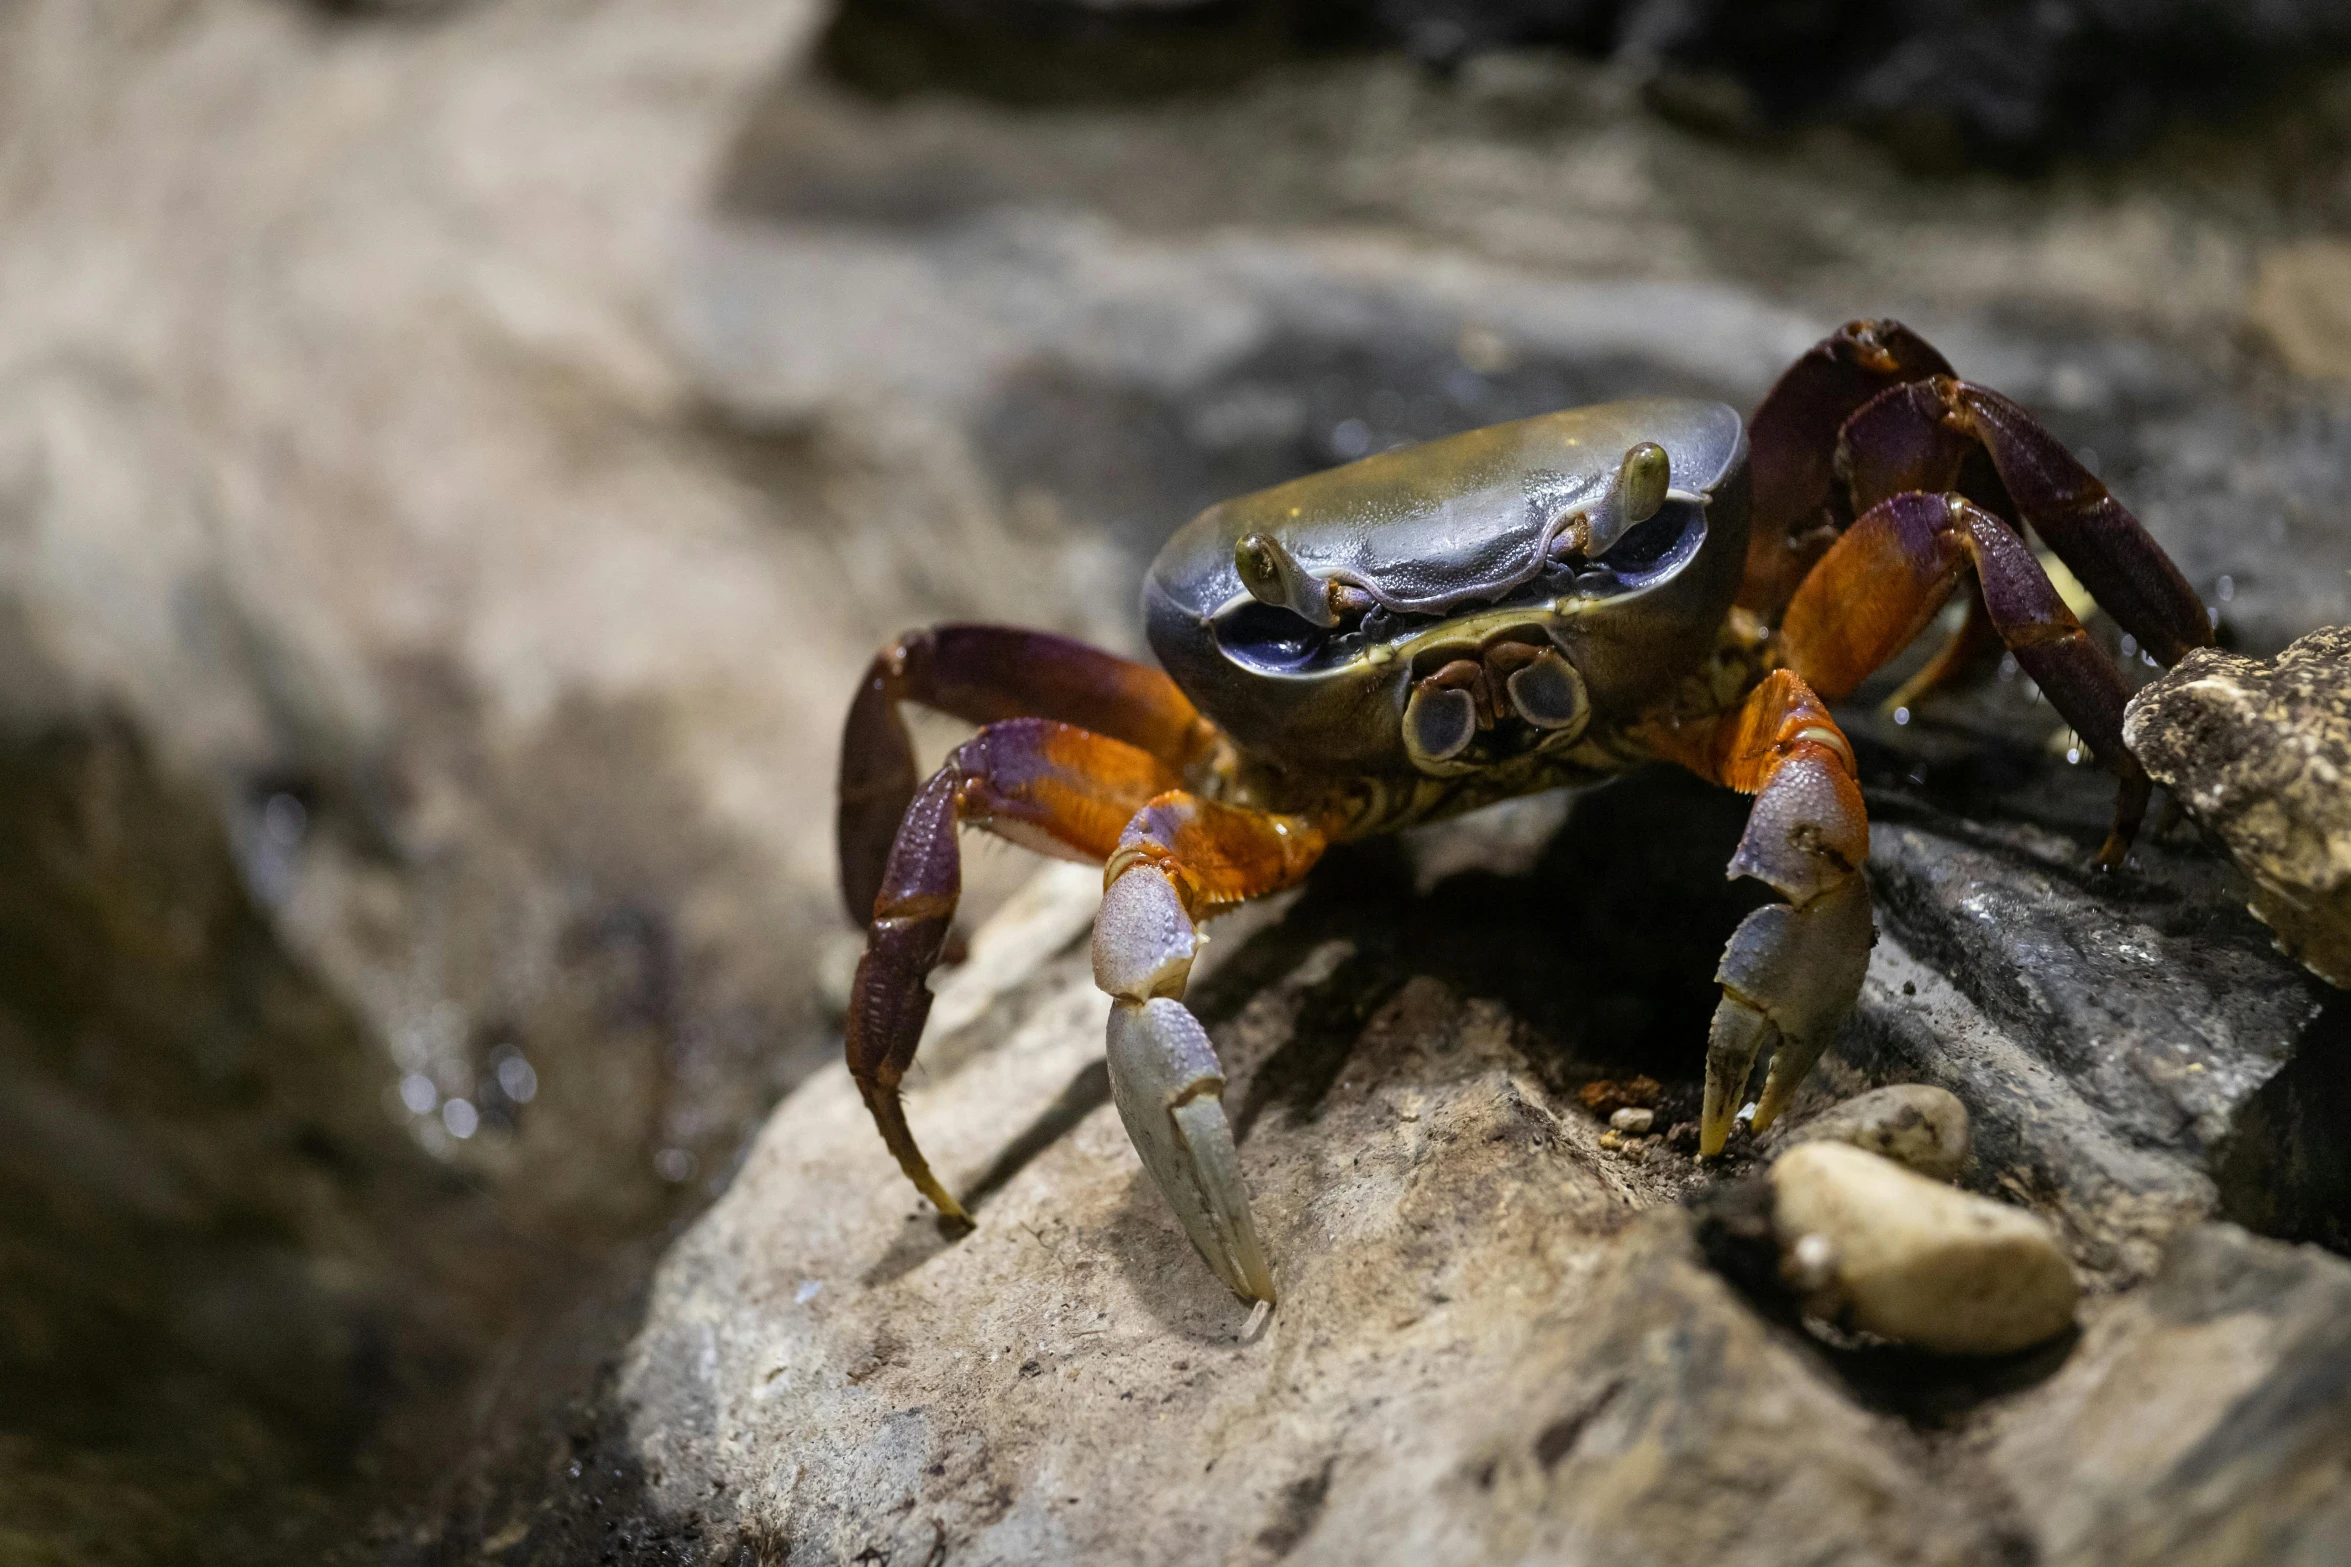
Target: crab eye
1273,576
1643,478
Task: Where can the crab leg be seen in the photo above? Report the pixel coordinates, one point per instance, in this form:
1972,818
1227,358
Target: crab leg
1044,785
1796,502
1180,860
983,674
1889,573
1791,970
1913,438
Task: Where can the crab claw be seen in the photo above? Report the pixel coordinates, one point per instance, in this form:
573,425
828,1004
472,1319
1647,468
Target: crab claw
1165,1078
1168,1085
1788,978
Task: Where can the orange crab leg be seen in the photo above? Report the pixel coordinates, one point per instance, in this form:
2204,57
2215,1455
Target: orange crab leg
1889,574
983,674
1045,785
1181,859
1791,970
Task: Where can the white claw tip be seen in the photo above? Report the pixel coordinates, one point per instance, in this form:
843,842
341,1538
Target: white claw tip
1259,1315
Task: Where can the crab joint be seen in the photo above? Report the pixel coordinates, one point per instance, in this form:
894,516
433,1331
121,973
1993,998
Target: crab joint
1273,576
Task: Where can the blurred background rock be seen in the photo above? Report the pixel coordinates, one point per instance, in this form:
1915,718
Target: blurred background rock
456,457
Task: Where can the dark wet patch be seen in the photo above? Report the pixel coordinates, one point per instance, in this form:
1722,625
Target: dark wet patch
1298,1510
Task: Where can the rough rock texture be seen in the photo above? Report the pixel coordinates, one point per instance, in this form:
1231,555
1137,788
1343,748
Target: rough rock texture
2260,755
1481,1351
2205,1419
1495,1339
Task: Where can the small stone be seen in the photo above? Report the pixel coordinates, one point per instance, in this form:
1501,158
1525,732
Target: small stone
1633,1121
1916,1125
1609,1095
1610,1141
1870,1245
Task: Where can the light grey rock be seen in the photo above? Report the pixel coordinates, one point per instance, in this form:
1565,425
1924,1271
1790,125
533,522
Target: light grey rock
1915,1124
1871,1244
2204,1421
1476,1356
2260,755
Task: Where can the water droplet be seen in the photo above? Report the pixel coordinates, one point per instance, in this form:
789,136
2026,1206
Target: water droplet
2130,644
2225,589
517,1079
283,817
418,1093
461,1118
1902,715
673,1164
1350,438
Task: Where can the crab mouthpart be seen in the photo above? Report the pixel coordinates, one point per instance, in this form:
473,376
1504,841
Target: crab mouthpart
1507,683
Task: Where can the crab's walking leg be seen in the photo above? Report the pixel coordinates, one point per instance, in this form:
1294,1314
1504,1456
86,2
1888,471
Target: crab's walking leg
1913,438
1891,571
983,674
1795,508
1180,860
1041,784
1791,970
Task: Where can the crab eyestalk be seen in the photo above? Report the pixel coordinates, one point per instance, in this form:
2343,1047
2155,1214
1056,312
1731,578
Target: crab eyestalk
1273,576
1644,481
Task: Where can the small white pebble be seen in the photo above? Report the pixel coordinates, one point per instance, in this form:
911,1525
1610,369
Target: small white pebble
1633,1121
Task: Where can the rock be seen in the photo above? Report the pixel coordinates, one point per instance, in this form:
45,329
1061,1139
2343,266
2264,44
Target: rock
2260,755
1943,81
1914,1124
2205,1418
2299,306
220,1256
2118,1044
1632,1121
1483,1350
1871,1245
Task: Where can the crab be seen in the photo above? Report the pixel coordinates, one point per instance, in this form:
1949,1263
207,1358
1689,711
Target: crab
1536,605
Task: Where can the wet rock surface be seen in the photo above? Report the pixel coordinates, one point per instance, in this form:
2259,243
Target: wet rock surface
2260,755
1948,83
